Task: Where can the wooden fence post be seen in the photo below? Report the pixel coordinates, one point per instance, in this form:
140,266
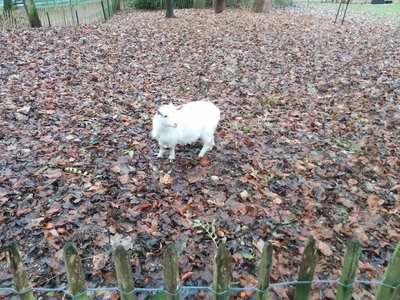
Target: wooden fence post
17,269
349,270
264,271
171,273
391,277
76,278
124,274
222,274
307,268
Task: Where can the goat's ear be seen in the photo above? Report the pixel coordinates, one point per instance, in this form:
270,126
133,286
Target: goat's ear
179,107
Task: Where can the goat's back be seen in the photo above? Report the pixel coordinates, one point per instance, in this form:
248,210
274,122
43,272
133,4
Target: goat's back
198,119
201,112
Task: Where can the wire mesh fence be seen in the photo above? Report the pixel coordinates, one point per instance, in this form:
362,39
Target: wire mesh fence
186,292
221,289
64,12
77,12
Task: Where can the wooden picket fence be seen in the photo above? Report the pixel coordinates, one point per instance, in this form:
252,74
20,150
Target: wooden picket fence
388,289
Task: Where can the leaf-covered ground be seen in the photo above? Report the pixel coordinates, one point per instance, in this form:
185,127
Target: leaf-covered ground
308,144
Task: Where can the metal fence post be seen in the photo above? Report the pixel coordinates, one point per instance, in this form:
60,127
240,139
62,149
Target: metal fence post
48,18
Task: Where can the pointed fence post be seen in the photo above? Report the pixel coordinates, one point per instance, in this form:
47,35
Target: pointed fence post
76,278
264,271
124,274
171,273
222,274
391,277
307,268
18,271
349,270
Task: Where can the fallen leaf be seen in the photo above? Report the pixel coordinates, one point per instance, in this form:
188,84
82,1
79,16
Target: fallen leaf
166,179
324,248
55,207
116,168
187,275
352,181
99,261
53,173
120,239
142,206
204,161
329,293
24,110
194,178
395,188
124,179
48,226
374,202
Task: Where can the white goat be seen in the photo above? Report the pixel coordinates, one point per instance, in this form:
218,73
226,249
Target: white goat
185,124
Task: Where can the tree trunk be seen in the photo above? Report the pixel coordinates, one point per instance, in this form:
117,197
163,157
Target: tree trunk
219,6
258,6
199,4
268,5
170,9
32,13
117,5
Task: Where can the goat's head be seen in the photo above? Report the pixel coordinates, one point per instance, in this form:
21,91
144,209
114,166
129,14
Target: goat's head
169,115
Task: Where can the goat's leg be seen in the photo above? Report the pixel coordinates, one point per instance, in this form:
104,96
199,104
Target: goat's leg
212,143
161,151
206,146
172,153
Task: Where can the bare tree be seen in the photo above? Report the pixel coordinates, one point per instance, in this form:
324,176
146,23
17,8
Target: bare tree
117,5
32,13
258,6
170,9
219,6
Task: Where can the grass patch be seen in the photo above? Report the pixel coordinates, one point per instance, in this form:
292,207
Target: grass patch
359,8
379,9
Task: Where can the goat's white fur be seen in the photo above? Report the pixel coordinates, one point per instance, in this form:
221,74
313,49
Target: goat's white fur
173,125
